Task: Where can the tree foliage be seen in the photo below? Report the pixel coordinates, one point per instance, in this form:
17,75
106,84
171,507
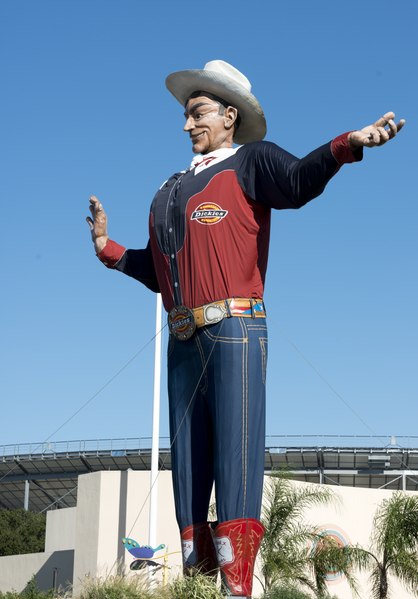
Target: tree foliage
21,532
329,556
293,552
395,544
286,592
286,550
139,587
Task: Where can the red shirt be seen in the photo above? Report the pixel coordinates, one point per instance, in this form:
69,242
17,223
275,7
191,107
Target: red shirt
210,226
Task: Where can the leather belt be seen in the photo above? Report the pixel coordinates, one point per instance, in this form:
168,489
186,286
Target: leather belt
237,306
183,321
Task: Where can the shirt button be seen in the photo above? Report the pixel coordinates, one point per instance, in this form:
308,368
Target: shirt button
171,203
170,230
176,284
172,256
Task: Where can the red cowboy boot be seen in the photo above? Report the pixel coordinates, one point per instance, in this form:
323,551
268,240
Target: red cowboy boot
237,543
198,550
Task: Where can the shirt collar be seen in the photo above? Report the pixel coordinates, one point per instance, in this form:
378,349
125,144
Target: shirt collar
200,162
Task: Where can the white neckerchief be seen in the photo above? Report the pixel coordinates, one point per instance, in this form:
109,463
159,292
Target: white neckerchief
200,162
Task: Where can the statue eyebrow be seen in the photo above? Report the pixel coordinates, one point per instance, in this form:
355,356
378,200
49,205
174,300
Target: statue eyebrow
195,107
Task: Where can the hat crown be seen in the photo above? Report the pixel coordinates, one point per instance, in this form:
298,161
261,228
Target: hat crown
227,70
225,81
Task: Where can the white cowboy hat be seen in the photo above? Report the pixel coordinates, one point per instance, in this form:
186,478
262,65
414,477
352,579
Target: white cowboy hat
225,81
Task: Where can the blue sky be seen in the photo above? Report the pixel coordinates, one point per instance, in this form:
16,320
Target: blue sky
85,110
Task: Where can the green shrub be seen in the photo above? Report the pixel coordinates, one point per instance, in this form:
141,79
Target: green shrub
118,587
286,592
31,592
193,587
21,532
283,592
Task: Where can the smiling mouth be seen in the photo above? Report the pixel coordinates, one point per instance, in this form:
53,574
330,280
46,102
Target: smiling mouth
196,138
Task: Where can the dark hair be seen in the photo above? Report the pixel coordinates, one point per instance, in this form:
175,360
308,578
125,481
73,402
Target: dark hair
224,104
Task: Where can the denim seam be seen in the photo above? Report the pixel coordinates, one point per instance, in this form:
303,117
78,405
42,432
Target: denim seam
223,339
244,412
205,385
263,347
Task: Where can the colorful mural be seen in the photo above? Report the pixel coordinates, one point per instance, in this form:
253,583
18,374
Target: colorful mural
341,538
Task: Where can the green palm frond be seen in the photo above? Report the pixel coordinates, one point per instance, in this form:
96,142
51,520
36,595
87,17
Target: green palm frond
395,539
287,592
295,551
405,567
379,582
329,556
396,525
285,549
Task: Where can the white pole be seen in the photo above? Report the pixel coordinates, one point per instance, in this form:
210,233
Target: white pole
155,426
26,499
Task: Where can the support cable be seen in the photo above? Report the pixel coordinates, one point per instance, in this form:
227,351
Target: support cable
86,403
332,388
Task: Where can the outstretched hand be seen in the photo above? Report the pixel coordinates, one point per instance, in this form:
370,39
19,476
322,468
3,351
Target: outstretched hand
377,134
98,224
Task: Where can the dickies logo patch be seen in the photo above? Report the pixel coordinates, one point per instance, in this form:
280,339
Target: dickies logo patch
208,214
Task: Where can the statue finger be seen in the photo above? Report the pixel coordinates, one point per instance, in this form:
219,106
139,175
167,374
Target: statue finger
383,121
384,135
393,128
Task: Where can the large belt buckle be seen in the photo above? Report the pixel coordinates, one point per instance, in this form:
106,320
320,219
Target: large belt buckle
181,322
213,313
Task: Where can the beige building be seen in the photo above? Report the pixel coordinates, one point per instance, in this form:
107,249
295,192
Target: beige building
86,540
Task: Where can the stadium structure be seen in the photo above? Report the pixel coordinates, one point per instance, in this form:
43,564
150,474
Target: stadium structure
44,476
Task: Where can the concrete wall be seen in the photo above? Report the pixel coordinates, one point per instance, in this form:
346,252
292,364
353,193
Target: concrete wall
54,567
87,541
351,518
121,510
60,529
17,570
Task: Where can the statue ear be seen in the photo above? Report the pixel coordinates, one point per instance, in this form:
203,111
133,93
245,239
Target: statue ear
230,116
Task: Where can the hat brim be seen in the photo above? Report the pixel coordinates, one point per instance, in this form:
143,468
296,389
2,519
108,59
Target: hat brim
253,123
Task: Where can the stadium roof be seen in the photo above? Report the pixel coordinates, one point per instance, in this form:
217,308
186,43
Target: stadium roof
44,475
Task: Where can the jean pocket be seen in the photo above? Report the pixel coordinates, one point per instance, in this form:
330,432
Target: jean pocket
228,330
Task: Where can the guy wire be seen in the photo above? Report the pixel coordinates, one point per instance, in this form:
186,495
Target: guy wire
137,353
86,403
181,422
174,438
336,393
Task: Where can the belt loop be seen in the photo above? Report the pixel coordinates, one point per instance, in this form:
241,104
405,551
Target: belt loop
227,308
252,308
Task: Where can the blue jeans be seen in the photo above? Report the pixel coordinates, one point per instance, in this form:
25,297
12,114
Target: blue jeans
216,383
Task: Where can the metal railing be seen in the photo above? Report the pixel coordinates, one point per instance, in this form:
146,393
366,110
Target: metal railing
81,447
344,441
138,444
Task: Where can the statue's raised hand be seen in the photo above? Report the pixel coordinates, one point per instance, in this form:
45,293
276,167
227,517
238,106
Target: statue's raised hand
377,134
98,224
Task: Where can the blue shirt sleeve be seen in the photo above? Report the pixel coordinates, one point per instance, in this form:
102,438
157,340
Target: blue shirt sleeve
139,265
276,178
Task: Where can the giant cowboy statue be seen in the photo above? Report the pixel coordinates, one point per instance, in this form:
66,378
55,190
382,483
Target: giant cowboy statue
209,228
